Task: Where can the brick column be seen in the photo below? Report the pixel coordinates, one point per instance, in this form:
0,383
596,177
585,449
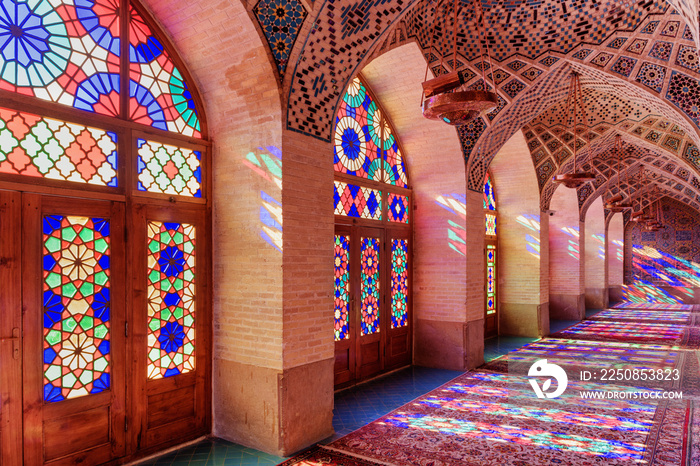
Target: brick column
523,287
566,253
596,286
615,257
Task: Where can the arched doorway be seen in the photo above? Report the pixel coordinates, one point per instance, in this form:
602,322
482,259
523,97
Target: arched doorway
372,242
490,261
104,188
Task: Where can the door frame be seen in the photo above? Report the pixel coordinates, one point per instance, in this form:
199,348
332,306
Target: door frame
36,411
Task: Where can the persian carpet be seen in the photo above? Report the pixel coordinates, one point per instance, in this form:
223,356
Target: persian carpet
644,316
661,306
319,455
494,419
670,334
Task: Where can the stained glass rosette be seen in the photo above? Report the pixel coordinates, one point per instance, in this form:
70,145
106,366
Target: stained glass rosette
69,52
171,299
369,285
357,138
394,168
32,145
399,283
158,93
76,311
62,51
342,287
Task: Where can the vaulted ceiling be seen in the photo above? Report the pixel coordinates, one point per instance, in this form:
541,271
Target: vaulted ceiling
638,62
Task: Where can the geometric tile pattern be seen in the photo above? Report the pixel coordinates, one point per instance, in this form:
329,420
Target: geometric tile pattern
280,21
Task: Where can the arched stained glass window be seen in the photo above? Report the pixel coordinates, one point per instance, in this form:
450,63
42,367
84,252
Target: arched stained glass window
100,129
70,52
365,148
372,242
490,250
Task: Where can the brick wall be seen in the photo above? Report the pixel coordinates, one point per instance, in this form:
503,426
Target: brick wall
436,169
518,203
595,246
565,245
616,238
307,203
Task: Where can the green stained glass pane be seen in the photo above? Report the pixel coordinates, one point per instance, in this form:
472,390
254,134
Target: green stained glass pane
101,278
53,280
69,290
86,289
101,245
68,234
52,244
86,322
69,325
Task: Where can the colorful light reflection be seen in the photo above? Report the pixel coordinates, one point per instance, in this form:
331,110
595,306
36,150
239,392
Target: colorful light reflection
268,165
456,204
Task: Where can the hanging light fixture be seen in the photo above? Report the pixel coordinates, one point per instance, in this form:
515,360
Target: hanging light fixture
575,179
615,203
458,107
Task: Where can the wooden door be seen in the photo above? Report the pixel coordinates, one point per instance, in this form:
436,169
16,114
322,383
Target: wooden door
373,328
344,305
369,308
10,329
398,299
74,330
171,329
491,289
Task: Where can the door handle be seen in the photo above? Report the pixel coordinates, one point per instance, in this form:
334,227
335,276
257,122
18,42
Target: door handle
15,342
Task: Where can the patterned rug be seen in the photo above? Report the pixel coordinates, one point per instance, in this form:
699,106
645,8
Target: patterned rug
670,334
494,419
662,306
322,456
645,316
600,359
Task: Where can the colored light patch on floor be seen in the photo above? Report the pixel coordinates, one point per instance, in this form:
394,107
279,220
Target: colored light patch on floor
493,419
612,449
643,315
625,331
662,306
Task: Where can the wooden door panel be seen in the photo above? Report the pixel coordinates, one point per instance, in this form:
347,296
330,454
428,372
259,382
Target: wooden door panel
344,305
371,312
398,299
171,328
10,329
74,316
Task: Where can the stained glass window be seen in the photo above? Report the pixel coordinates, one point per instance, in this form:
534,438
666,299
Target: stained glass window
163,168
397,210
490,225
394,169
159,96
32,145
62,51
69,52
171,299
399,283
356,201
369,284
358,134
490,279
76,296
489,198
342,286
